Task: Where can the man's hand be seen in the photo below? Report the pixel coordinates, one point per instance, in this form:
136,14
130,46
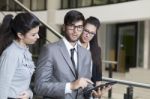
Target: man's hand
80,83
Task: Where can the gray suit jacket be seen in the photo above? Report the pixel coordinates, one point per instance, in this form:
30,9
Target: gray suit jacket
55,69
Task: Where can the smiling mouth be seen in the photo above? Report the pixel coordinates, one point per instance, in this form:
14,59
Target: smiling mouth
74,35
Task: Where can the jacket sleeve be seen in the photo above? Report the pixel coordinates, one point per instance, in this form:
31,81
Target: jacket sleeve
45,83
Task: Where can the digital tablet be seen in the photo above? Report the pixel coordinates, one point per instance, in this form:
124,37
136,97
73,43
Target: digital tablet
99,86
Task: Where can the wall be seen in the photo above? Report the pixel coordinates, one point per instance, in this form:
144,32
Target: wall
121,12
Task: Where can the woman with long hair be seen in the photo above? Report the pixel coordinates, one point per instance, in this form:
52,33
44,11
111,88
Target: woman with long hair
16,65
89,41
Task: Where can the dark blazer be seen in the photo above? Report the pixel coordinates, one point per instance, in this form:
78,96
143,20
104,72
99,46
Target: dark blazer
55,69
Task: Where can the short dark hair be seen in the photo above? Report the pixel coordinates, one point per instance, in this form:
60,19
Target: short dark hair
73,16
94,21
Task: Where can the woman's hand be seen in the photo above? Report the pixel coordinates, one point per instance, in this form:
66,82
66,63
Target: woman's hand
97,94
24,95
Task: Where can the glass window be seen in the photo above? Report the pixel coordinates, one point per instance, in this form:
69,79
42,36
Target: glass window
82,3
111,40
26,3
97,2
64,4
38,4
17,7
113,1
123,0
3,5
72,3
10,5
69,4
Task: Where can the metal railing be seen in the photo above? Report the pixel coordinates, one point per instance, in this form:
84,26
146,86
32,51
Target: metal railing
109,62
130,84
125,82
110,72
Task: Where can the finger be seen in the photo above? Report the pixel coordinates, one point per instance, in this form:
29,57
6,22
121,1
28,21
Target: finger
20,97
23,93
108,88
89,81
103,89
99,90
82,87
94,92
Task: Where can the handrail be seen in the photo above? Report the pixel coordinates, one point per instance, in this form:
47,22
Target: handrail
109,62
45,24
125,82
2,13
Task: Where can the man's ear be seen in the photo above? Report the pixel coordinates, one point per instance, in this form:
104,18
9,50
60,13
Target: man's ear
20,35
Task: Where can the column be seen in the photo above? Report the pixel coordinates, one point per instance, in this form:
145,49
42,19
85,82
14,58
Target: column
52,6
146,55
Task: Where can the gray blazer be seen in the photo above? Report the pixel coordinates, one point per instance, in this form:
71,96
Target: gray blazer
55,69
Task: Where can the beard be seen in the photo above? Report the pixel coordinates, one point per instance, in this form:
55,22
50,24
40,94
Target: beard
71,39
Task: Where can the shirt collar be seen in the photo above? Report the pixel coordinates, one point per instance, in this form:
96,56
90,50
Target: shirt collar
88,46
19,46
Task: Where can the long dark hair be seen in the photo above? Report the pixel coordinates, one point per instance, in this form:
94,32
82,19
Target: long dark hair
95,49
22,23
96,56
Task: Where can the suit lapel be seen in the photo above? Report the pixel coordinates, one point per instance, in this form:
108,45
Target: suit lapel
79,55
66,56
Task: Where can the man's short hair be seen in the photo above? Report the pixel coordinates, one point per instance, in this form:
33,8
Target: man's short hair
73,16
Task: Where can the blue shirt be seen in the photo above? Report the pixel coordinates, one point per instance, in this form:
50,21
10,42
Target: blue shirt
16,69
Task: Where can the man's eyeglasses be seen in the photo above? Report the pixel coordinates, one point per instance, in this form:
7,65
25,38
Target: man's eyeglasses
90,33
73,27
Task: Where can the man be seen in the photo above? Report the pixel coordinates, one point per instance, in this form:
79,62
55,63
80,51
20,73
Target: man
61,74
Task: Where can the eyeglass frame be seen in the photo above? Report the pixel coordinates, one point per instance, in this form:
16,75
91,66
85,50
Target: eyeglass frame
90,33
73,27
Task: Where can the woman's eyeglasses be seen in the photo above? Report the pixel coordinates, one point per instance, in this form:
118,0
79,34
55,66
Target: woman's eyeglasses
90,33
